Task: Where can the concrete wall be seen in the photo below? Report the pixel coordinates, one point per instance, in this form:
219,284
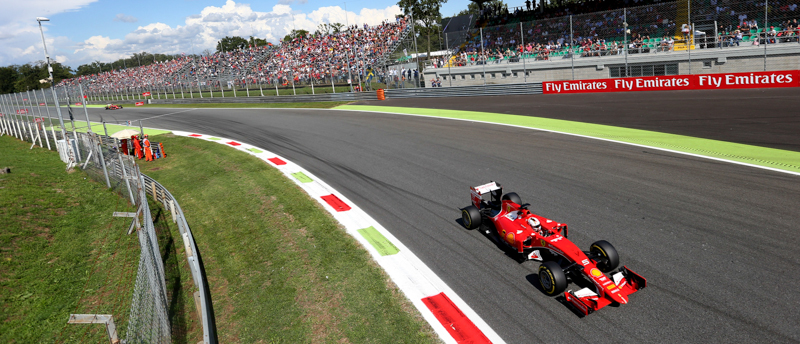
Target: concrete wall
782,56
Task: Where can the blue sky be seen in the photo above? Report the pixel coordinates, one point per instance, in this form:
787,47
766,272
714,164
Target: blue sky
82,31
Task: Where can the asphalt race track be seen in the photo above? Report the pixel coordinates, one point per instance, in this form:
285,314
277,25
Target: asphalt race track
717,242
758,117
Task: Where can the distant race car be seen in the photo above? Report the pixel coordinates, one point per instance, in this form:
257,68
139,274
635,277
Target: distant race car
113,107
534,237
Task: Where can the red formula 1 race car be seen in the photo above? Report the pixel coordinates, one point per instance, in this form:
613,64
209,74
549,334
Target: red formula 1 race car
534,237
113,107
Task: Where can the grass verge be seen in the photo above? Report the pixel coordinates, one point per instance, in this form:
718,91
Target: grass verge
280,268
61,253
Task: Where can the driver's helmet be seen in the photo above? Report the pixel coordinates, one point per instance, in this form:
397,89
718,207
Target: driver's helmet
534,223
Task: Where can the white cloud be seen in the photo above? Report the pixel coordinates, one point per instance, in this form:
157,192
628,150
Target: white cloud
199,32
19,32
125,19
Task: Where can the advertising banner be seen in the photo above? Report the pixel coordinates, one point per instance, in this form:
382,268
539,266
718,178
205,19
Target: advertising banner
145,94
22,111
78,104
42,104
789,78
139,103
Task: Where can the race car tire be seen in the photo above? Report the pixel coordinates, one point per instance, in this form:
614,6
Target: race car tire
552,278
471,217
604,249
513,197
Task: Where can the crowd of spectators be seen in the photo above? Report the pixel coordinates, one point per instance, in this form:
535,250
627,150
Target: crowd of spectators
158,73
651,26
350,53
355,49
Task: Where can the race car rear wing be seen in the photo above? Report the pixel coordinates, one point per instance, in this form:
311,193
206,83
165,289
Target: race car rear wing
477,191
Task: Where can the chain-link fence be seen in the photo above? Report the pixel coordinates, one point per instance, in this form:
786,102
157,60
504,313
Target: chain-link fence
100,157
663,38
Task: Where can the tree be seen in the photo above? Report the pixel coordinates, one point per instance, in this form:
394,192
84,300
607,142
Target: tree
474,7
327,29
257,42
295,34
426,13
26,77
8,76
231,43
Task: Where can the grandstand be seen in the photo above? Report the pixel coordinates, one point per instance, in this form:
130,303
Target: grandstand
325,59
673,37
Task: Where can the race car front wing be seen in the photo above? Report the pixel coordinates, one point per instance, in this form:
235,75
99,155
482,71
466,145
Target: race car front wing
587,301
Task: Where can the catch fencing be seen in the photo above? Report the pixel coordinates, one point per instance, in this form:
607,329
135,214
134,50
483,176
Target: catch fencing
663,38
100,158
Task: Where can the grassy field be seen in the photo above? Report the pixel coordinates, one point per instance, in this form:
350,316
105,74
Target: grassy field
279,267
316,105
61,253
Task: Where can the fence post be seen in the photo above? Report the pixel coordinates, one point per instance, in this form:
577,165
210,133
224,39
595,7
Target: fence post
38,108
571,47
125,176
102,159
766,33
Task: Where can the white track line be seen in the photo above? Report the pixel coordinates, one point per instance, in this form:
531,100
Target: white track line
406,270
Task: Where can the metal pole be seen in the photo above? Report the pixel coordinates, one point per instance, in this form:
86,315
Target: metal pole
449,61
416,49
10,120
27,129
522,54
221,90
125,177
690,40
766,34
181,85
571,47
6,113
86,112
60,118
484,61
14,119
625,39
103,160
49,119
38,108
350,75
36,126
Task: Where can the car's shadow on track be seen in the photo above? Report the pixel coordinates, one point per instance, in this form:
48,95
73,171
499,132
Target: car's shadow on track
490,233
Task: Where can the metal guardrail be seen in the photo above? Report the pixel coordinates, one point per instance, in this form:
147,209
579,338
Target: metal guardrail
324,97
466,91
161,194
427,92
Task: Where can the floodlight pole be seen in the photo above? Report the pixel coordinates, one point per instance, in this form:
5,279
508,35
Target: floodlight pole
52,81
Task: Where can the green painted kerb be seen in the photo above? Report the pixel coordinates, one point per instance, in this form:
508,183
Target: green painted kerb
254,150
761,156
214,138
302,177
378,241
112,128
